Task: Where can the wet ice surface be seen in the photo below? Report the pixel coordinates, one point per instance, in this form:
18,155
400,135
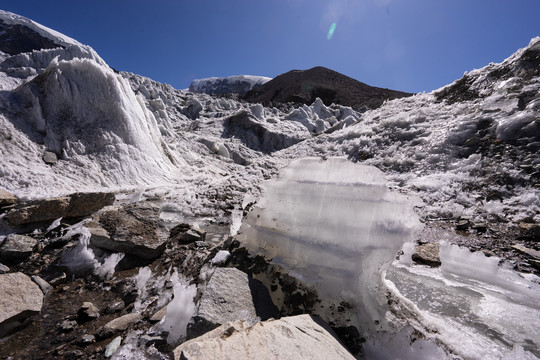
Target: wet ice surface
476,308
333,224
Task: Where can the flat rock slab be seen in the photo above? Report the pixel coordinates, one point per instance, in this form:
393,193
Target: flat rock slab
20,298
74,205
135,229
16,248
427,254
7,198
227,297
296,337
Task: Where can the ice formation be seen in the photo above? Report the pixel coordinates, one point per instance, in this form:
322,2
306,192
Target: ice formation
477,309
180,309
334,224
239,84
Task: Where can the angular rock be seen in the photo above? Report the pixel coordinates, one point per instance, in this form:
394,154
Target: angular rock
3,269
38,210
87,312
158,316
20,298
427,254
535,254
43,285
530,231
87,340
227,297
297,337
135,229
118,324
113,346
74,205
49,158
68,325
6,198
184,234
16,248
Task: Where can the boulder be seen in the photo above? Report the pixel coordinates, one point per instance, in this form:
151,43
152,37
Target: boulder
15,248
20,298
49,158
427,254
6,198
227,297
118,324
74,205
193,109
297,337
135,229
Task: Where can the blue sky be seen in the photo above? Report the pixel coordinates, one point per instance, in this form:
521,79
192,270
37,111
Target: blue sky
409,45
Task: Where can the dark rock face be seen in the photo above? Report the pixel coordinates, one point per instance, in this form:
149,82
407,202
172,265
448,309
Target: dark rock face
16,39
304,86
256,135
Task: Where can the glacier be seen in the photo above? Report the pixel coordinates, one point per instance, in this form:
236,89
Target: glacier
358,184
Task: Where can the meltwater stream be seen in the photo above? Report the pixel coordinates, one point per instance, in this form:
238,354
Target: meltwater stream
335,225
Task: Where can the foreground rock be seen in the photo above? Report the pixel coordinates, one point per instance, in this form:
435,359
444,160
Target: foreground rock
135,229
427,254
20,298
6,198
297,337
227,298
16,248
75,205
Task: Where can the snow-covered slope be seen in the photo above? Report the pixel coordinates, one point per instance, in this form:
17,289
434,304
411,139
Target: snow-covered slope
237,84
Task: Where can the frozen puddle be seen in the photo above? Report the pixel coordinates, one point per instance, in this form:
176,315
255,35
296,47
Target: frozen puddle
478,309
333,224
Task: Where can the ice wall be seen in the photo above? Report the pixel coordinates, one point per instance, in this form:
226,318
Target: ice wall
334,224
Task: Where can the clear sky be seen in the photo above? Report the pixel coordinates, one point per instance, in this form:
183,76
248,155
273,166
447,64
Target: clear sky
408,45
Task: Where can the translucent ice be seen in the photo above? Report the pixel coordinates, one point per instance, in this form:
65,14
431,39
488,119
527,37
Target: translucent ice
334,224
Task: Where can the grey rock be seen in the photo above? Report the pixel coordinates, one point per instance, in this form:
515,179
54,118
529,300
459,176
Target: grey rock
87,312
74,205
43,285
135,229
158,316
427,254
68,325
49,158
535,254
20,298
463,224
113,346
193,109
87,340
7,198
296,337
118,324
16,248
227,297
3,269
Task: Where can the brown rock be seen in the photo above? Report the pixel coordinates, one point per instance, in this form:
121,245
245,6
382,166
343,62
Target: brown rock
427,254
6,198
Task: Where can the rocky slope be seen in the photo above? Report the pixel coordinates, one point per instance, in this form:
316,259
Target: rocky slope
304,86
133,275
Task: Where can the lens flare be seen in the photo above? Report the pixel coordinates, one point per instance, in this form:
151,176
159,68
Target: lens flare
331,31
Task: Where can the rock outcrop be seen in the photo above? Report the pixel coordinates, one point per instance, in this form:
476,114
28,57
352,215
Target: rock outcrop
74,205
20,298
297,337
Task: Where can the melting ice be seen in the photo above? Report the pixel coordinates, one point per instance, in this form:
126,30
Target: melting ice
334,224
